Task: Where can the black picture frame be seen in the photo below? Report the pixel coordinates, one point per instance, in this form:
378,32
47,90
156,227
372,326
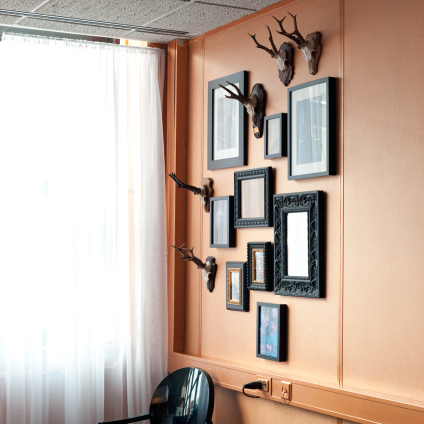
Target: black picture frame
222,233
226,124
271,331
237,271
294,210
252,198
259,266
275,136
311,129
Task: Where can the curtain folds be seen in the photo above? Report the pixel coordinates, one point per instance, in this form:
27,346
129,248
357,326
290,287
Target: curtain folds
83,304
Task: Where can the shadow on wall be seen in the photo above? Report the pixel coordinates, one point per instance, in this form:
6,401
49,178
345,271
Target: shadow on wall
234,408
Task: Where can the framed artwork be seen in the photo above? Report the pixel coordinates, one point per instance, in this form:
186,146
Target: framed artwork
226,124
259,266
299,244
271,331
237,293
253,191
222,233
275,145
311,129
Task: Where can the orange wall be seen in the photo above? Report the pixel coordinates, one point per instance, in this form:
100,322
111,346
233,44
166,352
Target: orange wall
367,333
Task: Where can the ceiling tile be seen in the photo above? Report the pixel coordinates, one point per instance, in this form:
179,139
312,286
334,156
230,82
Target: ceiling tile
21,5
7,20
132,12
248,4
199,18
164,39
76,29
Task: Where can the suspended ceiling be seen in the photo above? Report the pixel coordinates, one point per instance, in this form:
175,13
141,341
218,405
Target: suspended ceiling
192,16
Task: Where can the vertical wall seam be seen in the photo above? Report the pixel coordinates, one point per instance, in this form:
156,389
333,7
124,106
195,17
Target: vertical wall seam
202,123
341,170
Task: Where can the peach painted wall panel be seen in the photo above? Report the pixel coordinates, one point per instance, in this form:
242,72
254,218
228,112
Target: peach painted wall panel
313,323
235,408
384,179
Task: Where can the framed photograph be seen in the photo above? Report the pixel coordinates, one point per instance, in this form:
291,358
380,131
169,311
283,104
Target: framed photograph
222,233
311,129
259,266
237,293
253,191
271,331
299,244
226,124
275,145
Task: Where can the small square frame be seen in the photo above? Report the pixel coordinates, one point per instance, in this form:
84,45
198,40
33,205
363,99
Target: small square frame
291,285
268,187
281,136
243,303
274,329
252,282
311,129
237,123
229,234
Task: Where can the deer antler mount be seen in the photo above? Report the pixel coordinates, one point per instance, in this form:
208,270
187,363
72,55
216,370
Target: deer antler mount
311,45
283,57
208,268
254,104
205,191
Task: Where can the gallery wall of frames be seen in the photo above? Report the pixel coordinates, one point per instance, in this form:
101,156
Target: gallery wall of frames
269,144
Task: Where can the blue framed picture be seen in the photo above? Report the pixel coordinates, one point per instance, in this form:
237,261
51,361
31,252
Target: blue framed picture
271,334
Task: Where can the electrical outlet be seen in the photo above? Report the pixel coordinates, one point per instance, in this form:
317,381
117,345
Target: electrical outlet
286,390
265,384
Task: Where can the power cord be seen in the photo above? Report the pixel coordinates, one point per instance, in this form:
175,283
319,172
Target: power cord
253,385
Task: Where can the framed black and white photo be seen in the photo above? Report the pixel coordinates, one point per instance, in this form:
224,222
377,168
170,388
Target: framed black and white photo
311,129
259,266
237,293
275,145
271,331
299,244
253,190
226,124
222,233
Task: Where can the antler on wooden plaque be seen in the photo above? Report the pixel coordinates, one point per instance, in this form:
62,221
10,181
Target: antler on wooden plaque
283,57
254,104
311,46
208,268
205,191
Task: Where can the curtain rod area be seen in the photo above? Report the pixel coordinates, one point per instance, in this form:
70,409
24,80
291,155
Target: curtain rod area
100,24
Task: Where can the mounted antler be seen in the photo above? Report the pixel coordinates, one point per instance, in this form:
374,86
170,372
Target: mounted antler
208,268
311,47
254,104
205,191
283,57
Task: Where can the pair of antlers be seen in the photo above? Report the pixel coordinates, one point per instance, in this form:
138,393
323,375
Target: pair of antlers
295,36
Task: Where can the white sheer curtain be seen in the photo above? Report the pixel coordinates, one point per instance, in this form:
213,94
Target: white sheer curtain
83,301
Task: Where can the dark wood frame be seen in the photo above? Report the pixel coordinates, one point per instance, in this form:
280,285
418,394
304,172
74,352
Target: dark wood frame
231,234
283,134
266,174
243,305
251,283
311,202
282,332
241,159
329,142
